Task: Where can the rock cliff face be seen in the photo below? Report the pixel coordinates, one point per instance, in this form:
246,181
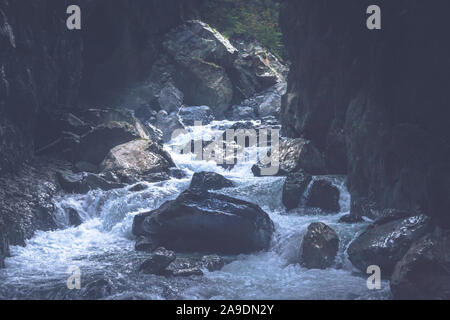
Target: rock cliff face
44,67
374,102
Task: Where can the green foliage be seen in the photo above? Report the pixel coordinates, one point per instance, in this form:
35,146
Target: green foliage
255,18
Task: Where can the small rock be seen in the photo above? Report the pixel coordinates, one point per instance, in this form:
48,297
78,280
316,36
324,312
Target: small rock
190,115
138,187
210,181
320,246
294,187
97,289
187,272
351,218
212,263
145,244
158,262
324,195
74,217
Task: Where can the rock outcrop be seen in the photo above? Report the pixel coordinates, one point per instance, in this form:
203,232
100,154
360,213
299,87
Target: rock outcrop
385,244
424,272
374,102
199,221
319,247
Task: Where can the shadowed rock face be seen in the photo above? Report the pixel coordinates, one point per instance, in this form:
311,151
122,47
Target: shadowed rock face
423,273
199,221
375,102
43,67
385,244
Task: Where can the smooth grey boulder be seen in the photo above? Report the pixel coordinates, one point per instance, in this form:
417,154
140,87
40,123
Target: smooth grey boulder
319,247
200,221
138,160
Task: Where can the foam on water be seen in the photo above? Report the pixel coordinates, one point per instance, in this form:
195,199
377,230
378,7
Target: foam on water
104,247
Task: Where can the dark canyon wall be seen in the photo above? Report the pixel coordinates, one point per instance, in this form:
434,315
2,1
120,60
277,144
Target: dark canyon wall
375,102
45,67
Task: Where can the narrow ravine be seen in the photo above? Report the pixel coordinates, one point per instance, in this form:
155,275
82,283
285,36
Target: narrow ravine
103,246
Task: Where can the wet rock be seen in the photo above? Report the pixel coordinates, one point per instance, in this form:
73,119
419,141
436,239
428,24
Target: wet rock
351,218
298,154
95,145
424,272
138,187
293,189
97,289
138,160
74,218
82,183
386,244
84,166
4,248
168,124
320,246
26,199
210,181
202,56
190,115
145,244
324,195
242,113
158,262
199,221
189,266
170,99
212,263
255,68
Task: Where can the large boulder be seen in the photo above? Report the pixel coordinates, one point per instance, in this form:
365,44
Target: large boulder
95,145
320,246
210,181
386,244
202,56
324,195
137,160
199,221
294,187
424,272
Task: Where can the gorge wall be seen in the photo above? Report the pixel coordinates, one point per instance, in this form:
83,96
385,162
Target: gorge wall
45,67
375,102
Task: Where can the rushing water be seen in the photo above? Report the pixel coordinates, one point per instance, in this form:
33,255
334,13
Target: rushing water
103,247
